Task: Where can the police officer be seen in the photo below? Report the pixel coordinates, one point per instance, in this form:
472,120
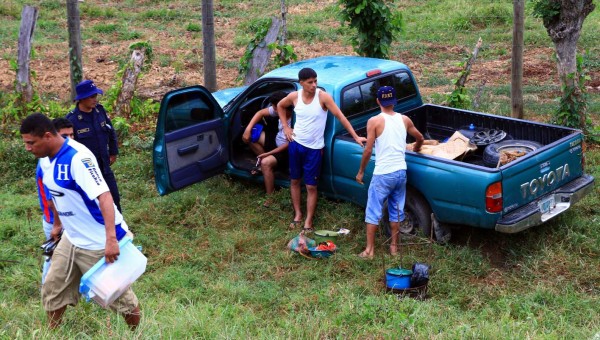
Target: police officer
94,129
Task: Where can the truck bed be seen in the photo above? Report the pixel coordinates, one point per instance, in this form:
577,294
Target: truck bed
440,122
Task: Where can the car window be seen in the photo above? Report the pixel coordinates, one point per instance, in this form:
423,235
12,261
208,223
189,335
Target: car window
266,89
187,109
361,97
352,101
404,85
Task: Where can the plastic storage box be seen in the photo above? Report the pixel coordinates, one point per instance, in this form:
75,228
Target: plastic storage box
105,282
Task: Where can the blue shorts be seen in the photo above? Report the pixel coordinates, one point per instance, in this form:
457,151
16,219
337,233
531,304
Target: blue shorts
255,133
305,161
391,186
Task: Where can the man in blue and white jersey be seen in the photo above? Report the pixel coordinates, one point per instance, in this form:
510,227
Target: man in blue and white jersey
91,223
65,129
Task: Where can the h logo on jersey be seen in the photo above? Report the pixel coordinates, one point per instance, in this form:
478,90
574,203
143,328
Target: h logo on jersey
62,172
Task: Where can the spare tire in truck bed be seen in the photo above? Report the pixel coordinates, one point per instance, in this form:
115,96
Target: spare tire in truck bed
491,154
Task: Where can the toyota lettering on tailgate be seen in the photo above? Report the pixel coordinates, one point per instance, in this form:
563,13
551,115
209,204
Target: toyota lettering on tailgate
548,179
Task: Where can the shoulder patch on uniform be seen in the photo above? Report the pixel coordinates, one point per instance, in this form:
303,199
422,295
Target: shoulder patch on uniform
88,162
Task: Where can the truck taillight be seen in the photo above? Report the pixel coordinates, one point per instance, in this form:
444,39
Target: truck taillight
493,198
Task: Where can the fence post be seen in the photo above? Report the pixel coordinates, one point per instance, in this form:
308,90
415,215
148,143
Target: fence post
28,19
75,63
129,80
516,88
262,53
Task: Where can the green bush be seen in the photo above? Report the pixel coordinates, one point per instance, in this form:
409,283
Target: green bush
193,27
10,10
375,23
105,28
161,14
16,163
129,35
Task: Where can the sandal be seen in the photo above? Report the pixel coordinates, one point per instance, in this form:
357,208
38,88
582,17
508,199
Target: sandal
308,230
365,256
255,171
294,225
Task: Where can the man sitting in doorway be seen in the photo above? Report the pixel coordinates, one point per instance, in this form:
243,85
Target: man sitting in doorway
269,145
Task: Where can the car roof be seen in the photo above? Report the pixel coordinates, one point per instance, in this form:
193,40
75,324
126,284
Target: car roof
337,71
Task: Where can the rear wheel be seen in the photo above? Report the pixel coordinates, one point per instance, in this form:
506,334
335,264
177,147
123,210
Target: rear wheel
417,215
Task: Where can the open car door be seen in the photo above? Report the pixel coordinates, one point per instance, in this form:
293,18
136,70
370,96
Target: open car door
190,141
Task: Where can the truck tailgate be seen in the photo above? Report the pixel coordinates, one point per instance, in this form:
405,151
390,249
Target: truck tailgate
543,185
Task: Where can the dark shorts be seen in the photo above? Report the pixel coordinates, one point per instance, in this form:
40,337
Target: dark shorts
305,161
281,157
270,139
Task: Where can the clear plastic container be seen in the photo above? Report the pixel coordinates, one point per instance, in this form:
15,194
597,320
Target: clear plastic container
105,282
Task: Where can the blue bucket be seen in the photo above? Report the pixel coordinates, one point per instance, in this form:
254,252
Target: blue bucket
398,278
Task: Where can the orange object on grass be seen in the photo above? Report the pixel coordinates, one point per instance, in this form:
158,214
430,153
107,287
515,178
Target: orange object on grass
327,245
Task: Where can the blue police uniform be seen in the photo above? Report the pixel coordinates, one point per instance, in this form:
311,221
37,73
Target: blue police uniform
95,131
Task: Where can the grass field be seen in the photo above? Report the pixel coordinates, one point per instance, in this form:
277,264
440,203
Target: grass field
217,264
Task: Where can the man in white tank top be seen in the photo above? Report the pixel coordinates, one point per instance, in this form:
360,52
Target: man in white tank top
307,141
387,132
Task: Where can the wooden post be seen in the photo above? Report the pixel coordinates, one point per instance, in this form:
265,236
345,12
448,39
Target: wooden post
262,53
283,35
208,46
28,19
129,80
74,28
463,78
516,91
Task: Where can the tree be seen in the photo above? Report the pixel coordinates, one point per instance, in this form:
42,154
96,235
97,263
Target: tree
208,46
375,23
75,64
563,20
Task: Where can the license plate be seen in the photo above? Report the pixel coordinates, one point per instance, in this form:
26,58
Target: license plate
546,204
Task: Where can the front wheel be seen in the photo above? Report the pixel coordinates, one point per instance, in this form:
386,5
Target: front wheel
417,215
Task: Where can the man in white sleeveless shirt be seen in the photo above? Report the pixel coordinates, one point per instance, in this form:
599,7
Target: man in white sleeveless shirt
307,141
387,131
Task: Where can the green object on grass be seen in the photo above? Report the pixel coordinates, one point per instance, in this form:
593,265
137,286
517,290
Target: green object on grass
326,235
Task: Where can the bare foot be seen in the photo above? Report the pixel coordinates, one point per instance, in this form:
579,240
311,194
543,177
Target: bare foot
393,250
268,202
366,255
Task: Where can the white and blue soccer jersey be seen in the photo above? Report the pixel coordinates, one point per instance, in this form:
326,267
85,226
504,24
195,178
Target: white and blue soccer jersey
43,194
75,182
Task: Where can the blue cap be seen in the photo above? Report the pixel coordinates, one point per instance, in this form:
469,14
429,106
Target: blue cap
255,134
386,96
86,89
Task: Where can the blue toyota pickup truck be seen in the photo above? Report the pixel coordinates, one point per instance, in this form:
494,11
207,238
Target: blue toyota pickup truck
198,135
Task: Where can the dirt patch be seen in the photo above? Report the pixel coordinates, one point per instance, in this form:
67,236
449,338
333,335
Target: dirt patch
181,63
490,243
